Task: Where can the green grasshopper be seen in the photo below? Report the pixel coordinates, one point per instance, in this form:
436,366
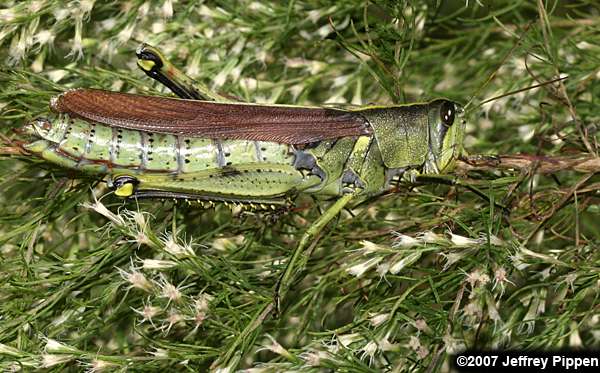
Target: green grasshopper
206,148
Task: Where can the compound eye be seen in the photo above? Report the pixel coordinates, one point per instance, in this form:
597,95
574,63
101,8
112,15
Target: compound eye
447,112
124,186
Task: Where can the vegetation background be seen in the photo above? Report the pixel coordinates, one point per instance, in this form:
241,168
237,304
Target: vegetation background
398,284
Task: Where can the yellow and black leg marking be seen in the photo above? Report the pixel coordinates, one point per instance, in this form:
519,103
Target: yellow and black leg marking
124,186
155,65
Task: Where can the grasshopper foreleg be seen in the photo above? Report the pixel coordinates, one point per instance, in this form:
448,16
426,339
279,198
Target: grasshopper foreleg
435,179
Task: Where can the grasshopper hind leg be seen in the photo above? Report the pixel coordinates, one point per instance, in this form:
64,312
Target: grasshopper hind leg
152,62
256,205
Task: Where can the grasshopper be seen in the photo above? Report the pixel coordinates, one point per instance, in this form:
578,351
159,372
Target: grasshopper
207,148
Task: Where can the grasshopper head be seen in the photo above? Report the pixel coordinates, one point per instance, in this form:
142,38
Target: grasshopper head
446,133
41,128
38,128
43,132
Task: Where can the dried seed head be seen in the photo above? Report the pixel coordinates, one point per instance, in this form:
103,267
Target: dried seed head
405,262
160,353
452,257
169,291
414,343
201,304
141,238
277,348
368,247
167,9
50,360
125,34
382,269
97,365
492,308
574,338
500,278
18,47
537,306
453,345
54,346
385,344
369,350
140,220
44,37
38,64
315,357
494,240
199,318
100,208
347,339
86,6
60,13
136,279
55,76
200,309
403,241
359,269
422,326
77,41
477,278
172,319
379,319
227,243
63,317
220,79
570,280
7,15
157,264
422,352
461,241
518,261
473,309
174,248
431,237
148,313
500,275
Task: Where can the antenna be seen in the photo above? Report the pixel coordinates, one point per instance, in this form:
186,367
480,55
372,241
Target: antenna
493,75
520,90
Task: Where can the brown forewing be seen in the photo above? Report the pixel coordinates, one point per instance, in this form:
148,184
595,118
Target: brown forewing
288,125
